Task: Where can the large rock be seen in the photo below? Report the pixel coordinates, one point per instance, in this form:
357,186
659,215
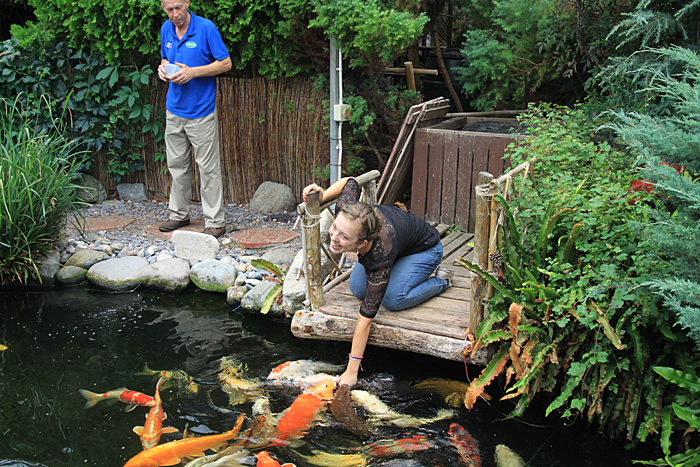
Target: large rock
235,294
48,265
133,192
86,258
213,275
253,300
271,197
294,287
118,274
170,275
280,256
93,191
194,246
70,275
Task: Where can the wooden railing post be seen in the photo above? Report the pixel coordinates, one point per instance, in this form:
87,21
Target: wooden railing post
481,250
312,228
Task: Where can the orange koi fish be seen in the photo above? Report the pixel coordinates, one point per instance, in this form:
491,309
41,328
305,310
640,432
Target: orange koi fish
393,447
151,431
297,419
266,460
465,445
132,398
171,453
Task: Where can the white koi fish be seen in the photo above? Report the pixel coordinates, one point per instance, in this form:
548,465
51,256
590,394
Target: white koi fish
506,457
380,412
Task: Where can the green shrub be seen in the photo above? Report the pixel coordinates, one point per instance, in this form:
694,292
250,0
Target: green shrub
108,107
570,317
38,170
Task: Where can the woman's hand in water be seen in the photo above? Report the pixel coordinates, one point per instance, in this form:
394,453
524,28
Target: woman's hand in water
349,378
313,187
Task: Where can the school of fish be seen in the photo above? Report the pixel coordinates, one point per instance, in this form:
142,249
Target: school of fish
286,430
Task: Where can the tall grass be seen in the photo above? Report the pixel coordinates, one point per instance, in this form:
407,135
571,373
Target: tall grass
38,170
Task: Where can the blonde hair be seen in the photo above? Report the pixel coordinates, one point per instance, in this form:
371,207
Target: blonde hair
366,218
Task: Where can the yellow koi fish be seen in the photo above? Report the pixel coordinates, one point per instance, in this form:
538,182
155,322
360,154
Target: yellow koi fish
239,389
171,453
506,457
152,430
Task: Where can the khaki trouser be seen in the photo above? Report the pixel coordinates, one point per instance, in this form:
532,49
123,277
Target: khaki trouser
182,135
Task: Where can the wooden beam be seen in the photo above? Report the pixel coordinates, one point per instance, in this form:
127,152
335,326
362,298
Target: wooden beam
312,217
481,250
314,325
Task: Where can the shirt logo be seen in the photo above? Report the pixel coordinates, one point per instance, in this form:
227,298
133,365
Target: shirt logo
190,44
168,45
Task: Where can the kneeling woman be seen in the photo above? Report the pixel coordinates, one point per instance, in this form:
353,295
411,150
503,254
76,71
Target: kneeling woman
397,255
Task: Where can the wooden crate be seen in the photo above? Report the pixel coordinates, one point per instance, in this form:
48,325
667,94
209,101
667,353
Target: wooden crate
446,165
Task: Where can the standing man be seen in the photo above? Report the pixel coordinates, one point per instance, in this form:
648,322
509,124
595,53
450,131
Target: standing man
194,44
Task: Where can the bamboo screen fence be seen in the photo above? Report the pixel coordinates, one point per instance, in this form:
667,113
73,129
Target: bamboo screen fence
270,130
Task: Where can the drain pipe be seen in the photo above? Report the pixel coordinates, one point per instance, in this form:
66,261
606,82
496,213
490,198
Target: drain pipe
335,135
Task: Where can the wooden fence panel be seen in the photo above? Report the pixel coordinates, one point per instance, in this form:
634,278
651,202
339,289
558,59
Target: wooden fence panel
443,185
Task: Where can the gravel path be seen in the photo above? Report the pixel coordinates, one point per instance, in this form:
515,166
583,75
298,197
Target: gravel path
156,211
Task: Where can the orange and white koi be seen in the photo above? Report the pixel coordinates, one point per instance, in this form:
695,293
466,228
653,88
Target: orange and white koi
303,372
266,460
171,453
296,420
152,430
393,447
465,445
127,396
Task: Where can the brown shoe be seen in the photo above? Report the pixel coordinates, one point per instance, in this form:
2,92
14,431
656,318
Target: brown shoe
215,231
171,225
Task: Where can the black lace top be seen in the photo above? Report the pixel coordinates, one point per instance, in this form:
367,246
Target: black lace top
402,234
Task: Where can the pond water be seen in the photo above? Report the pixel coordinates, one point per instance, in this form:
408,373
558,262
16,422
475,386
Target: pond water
79,338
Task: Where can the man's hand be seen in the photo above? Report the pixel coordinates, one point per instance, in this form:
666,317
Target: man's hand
184,75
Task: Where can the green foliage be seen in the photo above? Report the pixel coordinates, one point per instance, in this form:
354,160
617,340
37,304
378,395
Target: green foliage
38,168
569,301
362,25
107,107
526,51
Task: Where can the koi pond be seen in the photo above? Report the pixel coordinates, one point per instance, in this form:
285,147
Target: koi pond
61,341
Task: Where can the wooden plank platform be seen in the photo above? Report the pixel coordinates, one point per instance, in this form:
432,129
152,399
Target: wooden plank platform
437,327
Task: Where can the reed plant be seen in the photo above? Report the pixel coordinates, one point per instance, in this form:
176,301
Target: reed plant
38,174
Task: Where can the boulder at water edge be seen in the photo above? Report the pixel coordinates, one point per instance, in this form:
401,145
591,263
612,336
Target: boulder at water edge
86,258
213,275
118,274
253,300
70,275
170,275
235,294
194,246
48,265
280,256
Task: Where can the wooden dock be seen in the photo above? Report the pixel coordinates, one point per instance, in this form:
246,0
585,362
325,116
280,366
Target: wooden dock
437,327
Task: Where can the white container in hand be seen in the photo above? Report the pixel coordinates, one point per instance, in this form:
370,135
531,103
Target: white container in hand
171,69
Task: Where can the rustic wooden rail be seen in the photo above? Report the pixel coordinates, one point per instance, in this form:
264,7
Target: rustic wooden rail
488,211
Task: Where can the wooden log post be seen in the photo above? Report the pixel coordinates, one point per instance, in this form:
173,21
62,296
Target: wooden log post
312,217
481,250
493,239
370,190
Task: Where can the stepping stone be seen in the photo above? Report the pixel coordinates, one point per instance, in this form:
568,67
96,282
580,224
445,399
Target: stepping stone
259,237
196,225
95,224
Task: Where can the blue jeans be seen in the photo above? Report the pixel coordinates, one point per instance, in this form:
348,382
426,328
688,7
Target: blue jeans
410,283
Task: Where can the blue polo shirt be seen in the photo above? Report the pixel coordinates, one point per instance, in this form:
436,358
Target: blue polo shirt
201,45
